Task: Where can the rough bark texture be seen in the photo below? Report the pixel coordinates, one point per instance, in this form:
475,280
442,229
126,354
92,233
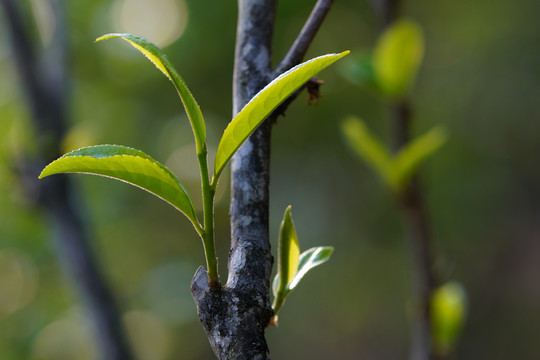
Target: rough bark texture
235,317
45,85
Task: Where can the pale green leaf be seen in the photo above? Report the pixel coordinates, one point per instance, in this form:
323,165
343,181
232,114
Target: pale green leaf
397,57
308,260
160,60
128,165
413,154
448,313
369,148
263,103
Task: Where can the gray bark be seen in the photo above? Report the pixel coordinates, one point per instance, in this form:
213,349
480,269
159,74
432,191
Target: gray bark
45,87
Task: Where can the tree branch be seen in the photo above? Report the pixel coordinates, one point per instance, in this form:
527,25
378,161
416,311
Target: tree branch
419,239
45,91
301,45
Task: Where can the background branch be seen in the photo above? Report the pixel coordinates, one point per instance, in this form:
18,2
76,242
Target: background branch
414,214
419,238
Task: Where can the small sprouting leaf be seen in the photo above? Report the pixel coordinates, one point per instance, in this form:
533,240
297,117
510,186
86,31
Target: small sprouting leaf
397,57
308,260
128,165
160,60
448,313
369,148
413,154
263,103
288,251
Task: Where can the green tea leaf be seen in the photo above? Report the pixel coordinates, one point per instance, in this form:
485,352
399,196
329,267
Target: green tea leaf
262,104
128,165
397,57
288,251
448,313
369,148
413,154
160,60
310,259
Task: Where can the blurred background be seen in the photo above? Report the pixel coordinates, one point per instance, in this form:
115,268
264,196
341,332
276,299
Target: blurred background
480,79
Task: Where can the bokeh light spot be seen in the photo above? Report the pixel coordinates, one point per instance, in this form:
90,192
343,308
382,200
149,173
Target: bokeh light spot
65,339
18,281
150,337
160,21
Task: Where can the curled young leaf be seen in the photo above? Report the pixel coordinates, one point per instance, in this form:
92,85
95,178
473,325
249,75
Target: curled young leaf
263,103
288,251
128,165
160,60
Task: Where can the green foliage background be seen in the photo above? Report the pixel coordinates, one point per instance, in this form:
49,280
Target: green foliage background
480,79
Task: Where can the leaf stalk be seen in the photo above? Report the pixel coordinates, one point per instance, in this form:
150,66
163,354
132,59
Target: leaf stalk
208,192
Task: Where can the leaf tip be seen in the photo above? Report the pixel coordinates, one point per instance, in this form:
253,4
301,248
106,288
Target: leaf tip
46,171
106,36
288,211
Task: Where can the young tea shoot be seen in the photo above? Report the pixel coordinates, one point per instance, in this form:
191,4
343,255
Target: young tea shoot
136,168
293,266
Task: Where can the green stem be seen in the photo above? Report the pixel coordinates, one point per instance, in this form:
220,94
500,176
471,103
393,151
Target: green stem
208,208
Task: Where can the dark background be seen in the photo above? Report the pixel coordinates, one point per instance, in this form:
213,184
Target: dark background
480,79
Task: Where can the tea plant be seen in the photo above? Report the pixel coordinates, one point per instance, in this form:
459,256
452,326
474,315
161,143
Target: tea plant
137,168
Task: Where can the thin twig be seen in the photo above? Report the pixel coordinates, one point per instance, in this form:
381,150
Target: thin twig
415,218
420,240
301,45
